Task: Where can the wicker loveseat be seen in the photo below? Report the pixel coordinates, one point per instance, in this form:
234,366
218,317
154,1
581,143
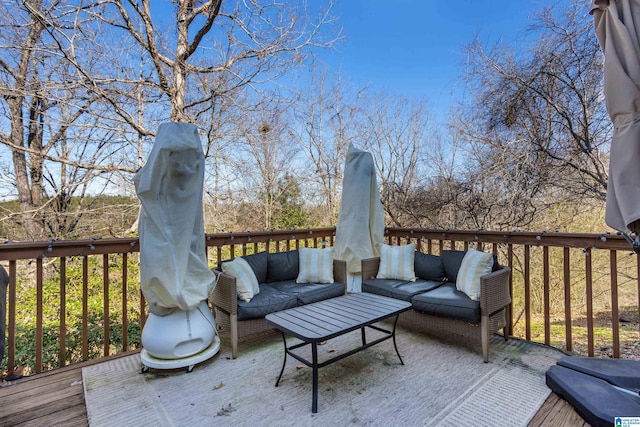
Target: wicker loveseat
276,274
438,308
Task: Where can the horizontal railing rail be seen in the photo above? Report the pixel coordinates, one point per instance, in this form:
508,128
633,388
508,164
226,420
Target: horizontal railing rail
70,301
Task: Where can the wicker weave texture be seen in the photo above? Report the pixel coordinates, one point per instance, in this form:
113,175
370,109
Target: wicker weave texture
495,302
224,300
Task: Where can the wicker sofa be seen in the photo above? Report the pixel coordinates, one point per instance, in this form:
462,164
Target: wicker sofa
438,308
276,274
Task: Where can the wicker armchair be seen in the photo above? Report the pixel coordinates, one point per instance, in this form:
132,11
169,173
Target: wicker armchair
224,302
495,303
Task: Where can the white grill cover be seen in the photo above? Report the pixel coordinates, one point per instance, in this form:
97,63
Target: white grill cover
360,229
173,265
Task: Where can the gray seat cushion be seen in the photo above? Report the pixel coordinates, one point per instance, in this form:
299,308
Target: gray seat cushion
398,289
446,301
307,293
429,267
268,300
282,266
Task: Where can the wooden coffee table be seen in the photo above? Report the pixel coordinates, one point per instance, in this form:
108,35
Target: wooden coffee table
323,320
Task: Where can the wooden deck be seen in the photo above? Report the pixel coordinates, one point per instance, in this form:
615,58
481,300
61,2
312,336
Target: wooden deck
57,398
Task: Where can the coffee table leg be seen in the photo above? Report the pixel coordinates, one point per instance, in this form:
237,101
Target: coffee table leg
284,362
314,356
364,336
395,322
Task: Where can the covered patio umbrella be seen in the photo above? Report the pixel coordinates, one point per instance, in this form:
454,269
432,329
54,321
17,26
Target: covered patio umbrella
174,275
617,25
360,229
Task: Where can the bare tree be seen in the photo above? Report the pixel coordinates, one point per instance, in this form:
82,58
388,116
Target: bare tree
51,117
397,130
84,85
535,119
328,114
269,153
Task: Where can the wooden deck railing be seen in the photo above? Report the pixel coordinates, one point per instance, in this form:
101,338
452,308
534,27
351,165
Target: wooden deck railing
88,303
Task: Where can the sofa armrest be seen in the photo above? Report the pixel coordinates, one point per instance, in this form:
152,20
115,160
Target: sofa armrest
494,291
370,267
340,272
225,295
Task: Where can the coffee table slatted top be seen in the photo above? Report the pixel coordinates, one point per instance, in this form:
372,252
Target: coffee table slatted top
327,319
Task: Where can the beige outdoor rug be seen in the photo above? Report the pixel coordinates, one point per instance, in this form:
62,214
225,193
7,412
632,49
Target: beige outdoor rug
440,384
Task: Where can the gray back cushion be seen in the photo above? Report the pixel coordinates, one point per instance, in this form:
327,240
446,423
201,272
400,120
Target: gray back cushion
451,261
283,266
258,263
429,267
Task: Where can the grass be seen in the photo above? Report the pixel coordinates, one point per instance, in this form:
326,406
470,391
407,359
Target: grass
629,334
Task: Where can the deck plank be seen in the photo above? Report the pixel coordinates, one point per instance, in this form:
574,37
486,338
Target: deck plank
50,398
556,412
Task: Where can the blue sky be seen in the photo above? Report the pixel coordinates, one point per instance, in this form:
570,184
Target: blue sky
415,47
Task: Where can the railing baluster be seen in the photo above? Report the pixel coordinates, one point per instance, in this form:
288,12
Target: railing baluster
143,313
567,298
11,356
615,326
510,265
589,295
638,284
547,308
105,304
39,345
527,292
85,307
125,302
62,355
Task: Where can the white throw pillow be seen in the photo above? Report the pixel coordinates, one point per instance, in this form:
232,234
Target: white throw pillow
396,262
246,281
475,264
316,265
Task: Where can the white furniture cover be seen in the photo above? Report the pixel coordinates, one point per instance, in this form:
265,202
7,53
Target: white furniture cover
173,265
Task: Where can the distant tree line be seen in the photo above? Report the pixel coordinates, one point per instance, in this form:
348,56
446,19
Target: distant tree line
84,85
